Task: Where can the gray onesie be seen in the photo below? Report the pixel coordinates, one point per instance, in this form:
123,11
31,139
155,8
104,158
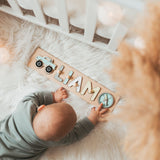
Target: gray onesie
17,137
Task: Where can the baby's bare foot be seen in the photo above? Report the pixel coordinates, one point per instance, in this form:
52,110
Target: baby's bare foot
60,94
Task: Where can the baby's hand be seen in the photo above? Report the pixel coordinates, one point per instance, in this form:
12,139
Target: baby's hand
60,94
97,115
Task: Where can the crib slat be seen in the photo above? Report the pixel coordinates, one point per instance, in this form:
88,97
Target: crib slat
37,9
14,5
118,35
91,18
63,15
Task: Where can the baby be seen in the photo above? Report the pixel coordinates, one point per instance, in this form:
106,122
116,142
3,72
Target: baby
42,120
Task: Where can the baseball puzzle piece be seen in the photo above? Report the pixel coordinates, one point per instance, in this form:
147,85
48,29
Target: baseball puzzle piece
73,80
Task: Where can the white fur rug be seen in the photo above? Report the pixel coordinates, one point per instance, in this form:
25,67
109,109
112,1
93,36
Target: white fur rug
16,81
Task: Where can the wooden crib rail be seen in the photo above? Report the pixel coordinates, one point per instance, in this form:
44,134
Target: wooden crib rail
37,9
15,8
14,5
63,17
91,19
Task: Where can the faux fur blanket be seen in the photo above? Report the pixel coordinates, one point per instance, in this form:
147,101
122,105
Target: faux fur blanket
17,80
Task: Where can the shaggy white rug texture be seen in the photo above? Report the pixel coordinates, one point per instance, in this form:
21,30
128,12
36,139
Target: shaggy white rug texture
17,80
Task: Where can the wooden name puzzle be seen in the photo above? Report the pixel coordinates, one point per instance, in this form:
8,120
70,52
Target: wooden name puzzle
73,80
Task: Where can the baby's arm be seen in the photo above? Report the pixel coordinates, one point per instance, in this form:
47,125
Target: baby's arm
39,98
81,129
46,98
59,95
98,115
84,126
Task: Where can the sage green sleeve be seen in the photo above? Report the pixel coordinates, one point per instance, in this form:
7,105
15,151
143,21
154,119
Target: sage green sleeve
17,137
81,129
27,109
39,98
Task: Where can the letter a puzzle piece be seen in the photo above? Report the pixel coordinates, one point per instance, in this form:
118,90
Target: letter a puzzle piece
78,82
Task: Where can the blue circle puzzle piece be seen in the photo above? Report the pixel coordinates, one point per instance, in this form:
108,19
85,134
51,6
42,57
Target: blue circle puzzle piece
107,100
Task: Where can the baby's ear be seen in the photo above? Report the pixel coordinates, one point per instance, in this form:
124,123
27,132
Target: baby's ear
41,107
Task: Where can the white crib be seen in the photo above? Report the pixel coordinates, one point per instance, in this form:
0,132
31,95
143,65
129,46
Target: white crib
61,16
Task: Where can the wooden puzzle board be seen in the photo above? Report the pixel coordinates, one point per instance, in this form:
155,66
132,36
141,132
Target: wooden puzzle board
87,96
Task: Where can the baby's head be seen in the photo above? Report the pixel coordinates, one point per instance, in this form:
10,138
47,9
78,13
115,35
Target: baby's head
54,121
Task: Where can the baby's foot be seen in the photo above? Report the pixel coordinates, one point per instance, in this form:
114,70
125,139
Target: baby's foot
60,94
